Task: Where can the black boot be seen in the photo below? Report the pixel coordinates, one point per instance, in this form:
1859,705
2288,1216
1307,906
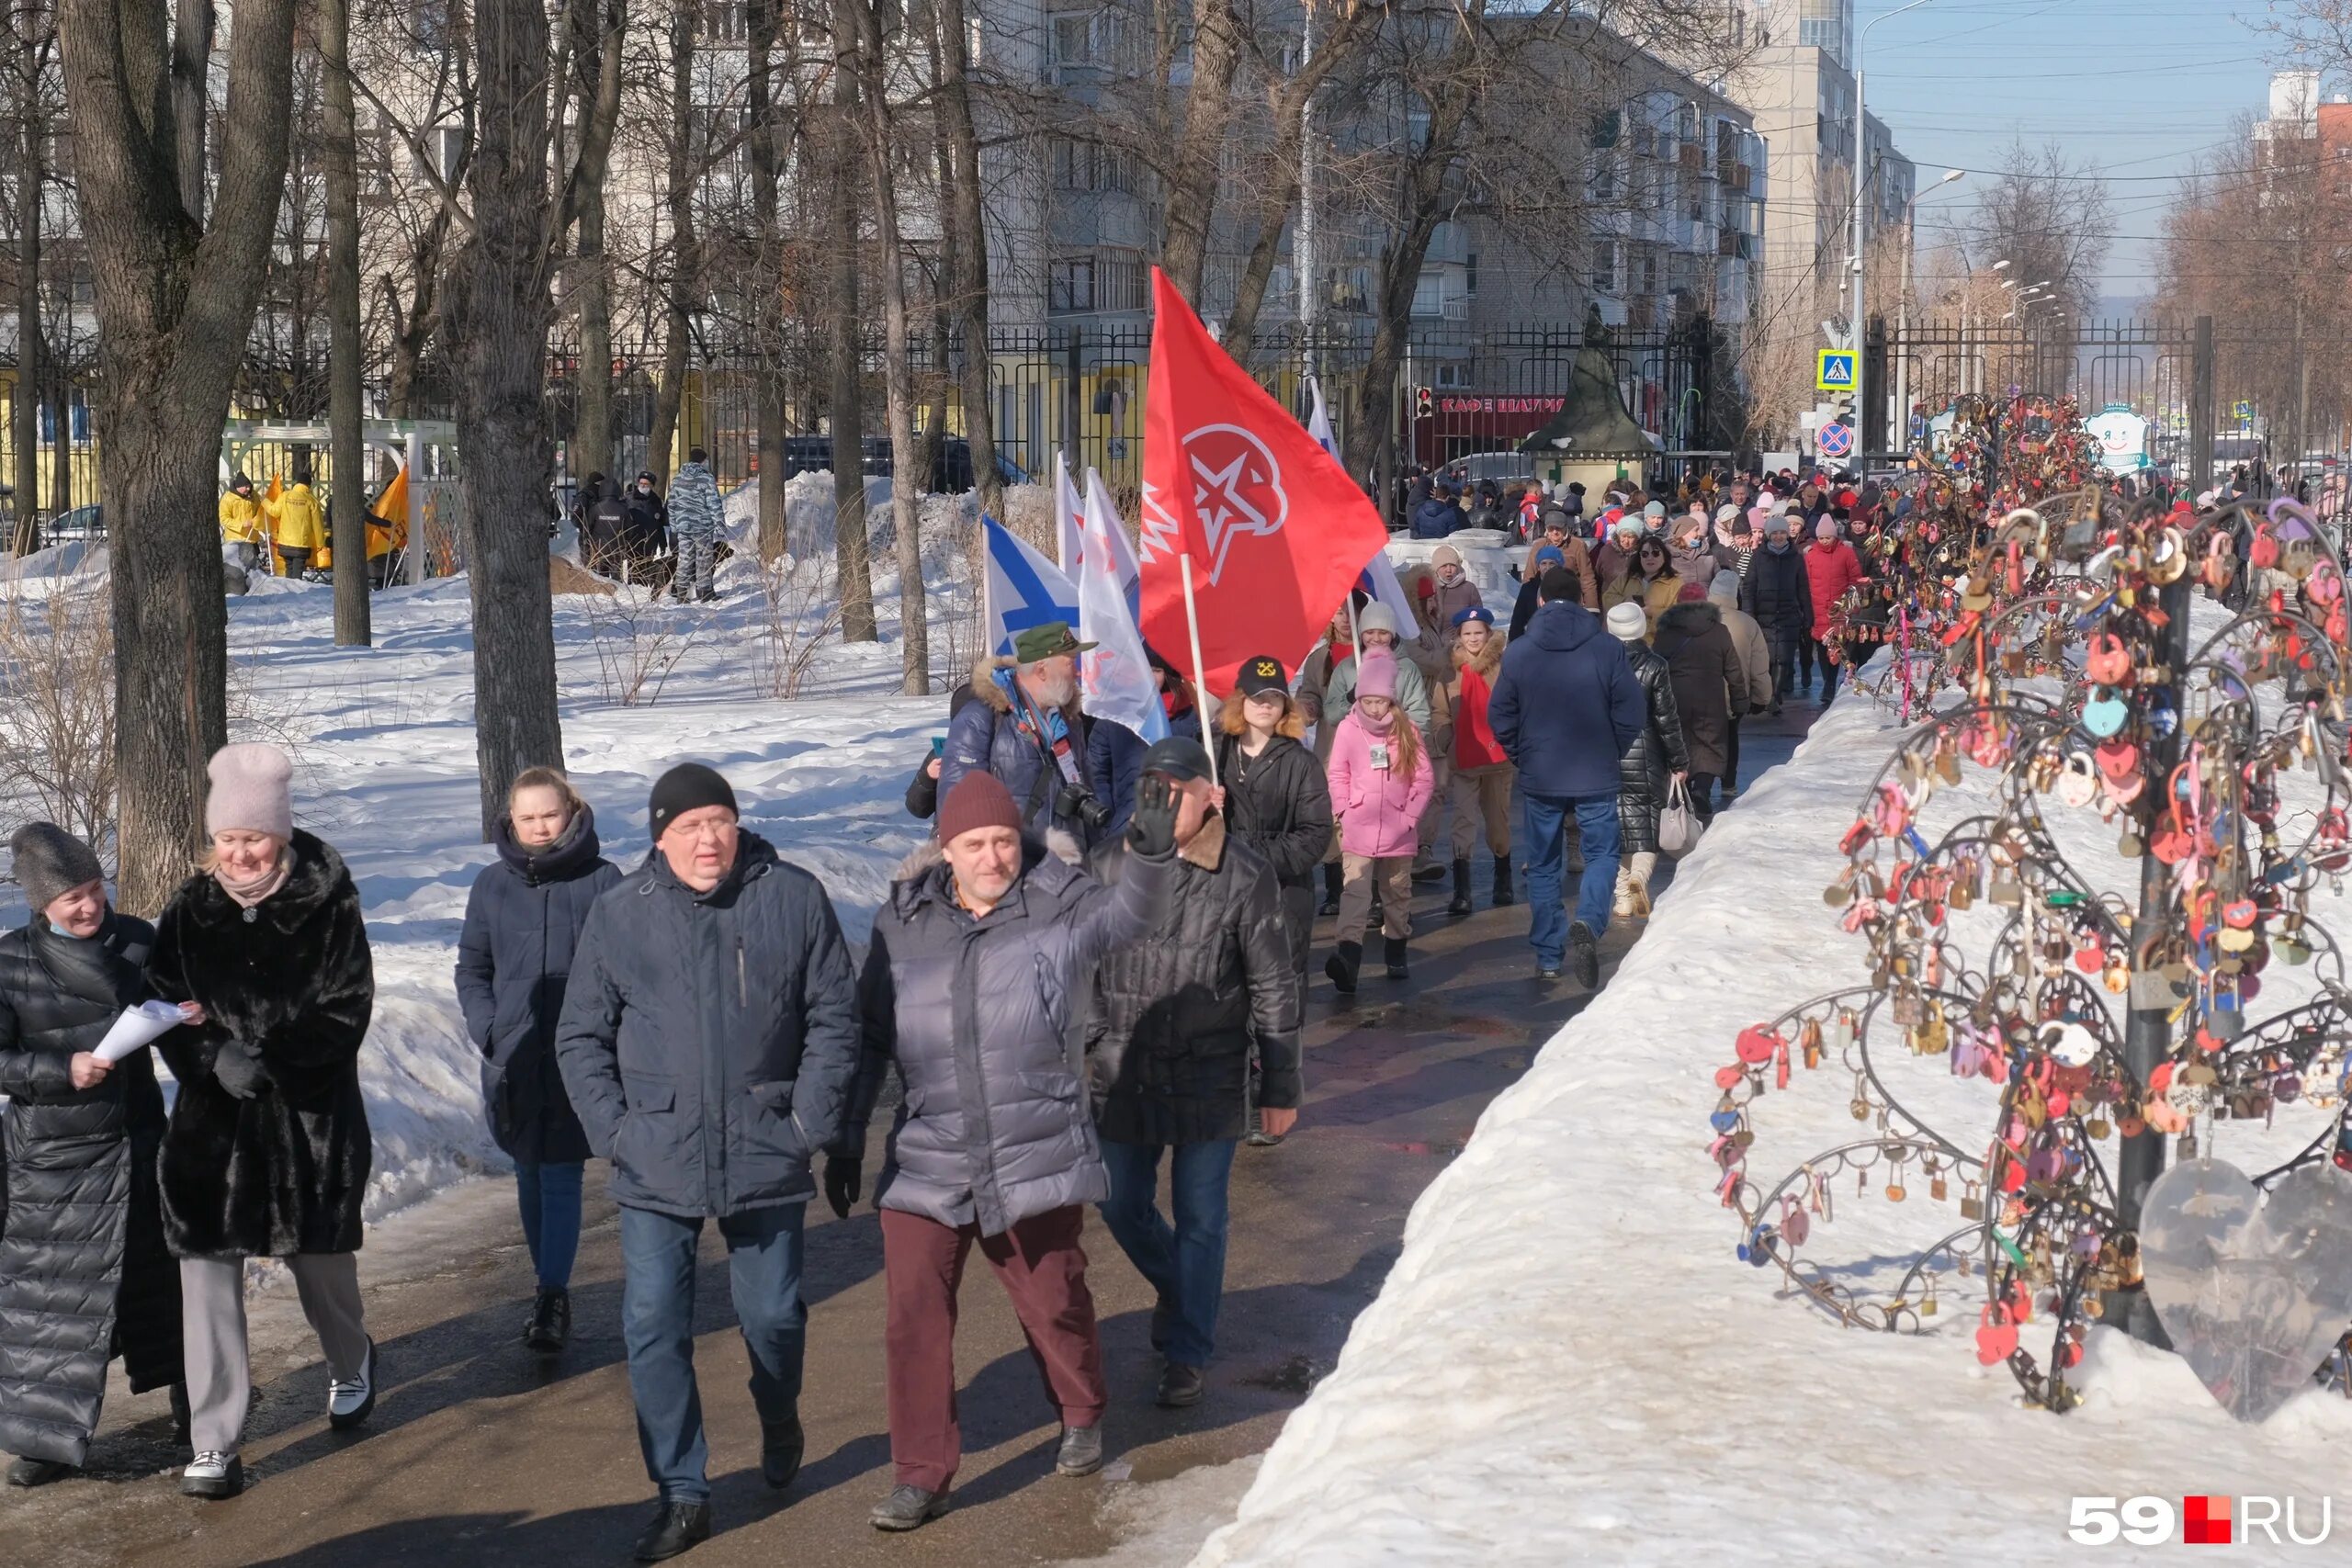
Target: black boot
550,1324
1393,949
1342,966
1460,904
180,1414
1332,883
1502,881
674,1528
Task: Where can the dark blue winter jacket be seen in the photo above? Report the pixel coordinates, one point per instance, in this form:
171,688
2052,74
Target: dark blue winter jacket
1434,519
1567,707
709,1039
985,737
1115,766
523,920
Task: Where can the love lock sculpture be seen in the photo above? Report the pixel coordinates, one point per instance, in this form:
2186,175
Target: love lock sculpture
2104,1013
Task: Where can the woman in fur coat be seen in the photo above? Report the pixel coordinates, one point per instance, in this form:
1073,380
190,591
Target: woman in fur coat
83,1272
268,1152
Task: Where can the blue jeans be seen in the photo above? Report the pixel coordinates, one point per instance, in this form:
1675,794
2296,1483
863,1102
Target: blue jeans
1547,925
549,1197
1186,1263
763,1251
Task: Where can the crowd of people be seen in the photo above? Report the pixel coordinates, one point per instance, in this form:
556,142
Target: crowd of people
1096,963
289,531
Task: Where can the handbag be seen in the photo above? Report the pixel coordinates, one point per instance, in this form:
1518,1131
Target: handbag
1677,825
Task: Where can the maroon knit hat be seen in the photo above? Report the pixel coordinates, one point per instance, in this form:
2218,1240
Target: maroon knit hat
978,800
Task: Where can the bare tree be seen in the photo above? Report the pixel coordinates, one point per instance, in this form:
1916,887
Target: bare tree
176,297
2050,216
846,406
32,41
343,350
598,95
964,238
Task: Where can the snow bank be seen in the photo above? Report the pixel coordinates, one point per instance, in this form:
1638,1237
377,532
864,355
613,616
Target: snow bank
1568,1364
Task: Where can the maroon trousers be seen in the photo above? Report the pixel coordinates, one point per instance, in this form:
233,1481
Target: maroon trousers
1042,1268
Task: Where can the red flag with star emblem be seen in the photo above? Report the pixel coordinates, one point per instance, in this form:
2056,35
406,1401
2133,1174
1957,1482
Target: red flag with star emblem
1276,531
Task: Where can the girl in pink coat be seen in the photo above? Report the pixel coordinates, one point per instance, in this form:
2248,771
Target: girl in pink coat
1381,781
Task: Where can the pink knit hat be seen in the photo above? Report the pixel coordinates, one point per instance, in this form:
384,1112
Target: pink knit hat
252,788
1826,529
1376,676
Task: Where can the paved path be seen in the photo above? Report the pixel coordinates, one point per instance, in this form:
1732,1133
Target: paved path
480,1453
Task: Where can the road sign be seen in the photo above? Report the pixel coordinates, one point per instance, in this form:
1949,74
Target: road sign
1833,440
2242,411
1834,370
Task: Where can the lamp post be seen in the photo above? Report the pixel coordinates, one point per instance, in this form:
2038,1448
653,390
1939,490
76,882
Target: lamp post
1903,316
1862,231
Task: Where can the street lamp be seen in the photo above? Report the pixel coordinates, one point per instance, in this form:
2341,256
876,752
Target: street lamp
1903,315
1862,229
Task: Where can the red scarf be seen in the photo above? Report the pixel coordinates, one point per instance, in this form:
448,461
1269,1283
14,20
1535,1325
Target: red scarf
1475,745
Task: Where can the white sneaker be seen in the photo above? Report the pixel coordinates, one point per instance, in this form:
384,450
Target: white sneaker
214,1475
349,1403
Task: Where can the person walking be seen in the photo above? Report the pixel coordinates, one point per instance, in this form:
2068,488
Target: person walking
1778,593
84,1273
708,1041
244,528
697,515
1446,594
1559,533
1327,692
1180,1023
1710,685
1660,588
524,918
1381,779
645,535
267,1151
1756,665
973,989
1831,567
605,543
1657,756
1025,727
1565,710
1481,775
1277,800
299,526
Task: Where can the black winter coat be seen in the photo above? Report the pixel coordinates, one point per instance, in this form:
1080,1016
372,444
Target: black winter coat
1280,802
1657,752
1710,682
1778,593
709,1039
84,1272
284,1172
523,923
1173,1017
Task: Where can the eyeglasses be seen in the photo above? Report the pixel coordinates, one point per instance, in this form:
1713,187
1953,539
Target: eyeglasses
710,831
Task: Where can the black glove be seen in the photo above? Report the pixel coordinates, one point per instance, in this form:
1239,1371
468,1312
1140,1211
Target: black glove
1151,831
237,1067
842,1179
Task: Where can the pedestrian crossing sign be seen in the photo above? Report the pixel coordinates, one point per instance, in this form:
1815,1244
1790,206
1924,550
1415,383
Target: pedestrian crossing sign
1834,370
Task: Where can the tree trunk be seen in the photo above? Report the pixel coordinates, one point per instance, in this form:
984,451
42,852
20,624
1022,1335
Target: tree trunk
24,409
968,252
848,399
592,430
669,392
898,370
1191,194
175,301
1249,293
347,452
502,316
762,26
61,451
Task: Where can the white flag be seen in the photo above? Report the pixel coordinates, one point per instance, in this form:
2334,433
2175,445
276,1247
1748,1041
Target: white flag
1319,419
1069,520
1114,677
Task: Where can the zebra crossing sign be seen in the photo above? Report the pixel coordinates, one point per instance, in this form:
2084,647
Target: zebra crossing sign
1834,370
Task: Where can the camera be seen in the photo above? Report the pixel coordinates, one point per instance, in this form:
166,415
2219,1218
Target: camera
1075,800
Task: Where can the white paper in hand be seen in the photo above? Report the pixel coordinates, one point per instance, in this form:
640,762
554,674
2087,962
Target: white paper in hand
137,1029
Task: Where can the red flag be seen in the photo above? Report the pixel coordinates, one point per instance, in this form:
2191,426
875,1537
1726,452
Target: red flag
1276,531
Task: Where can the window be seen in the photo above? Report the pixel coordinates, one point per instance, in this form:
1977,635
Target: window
1645,140
1602,185
1470,268
1450,375
1083,38
444,147
723,21
429,25
1119,283
1069,285
1086,165
1604,266
1649,273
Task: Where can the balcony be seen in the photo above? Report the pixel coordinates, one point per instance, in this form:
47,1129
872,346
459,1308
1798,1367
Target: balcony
1688,156
1740,177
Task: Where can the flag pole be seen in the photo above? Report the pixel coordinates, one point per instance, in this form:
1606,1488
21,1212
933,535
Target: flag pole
1199,676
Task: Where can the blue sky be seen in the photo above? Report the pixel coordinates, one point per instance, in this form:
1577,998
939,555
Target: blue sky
2140,88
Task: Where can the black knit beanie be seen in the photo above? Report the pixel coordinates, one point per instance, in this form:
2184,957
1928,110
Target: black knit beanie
685,788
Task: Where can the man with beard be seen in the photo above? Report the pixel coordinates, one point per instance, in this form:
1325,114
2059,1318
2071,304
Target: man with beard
1024,728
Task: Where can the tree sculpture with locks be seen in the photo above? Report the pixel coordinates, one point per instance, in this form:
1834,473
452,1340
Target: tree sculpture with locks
2104,1020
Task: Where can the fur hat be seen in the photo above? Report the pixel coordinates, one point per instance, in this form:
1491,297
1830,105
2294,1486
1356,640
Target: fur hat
49,863
253,789
978,800
1628,622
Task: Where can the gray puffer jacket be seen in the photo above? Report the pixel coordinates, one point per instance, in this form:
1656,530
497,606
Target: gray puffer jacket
982,1017
707,1040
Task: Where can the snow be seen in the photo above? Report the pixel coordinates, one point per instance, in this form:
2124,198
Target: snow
1569,1364
383,743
